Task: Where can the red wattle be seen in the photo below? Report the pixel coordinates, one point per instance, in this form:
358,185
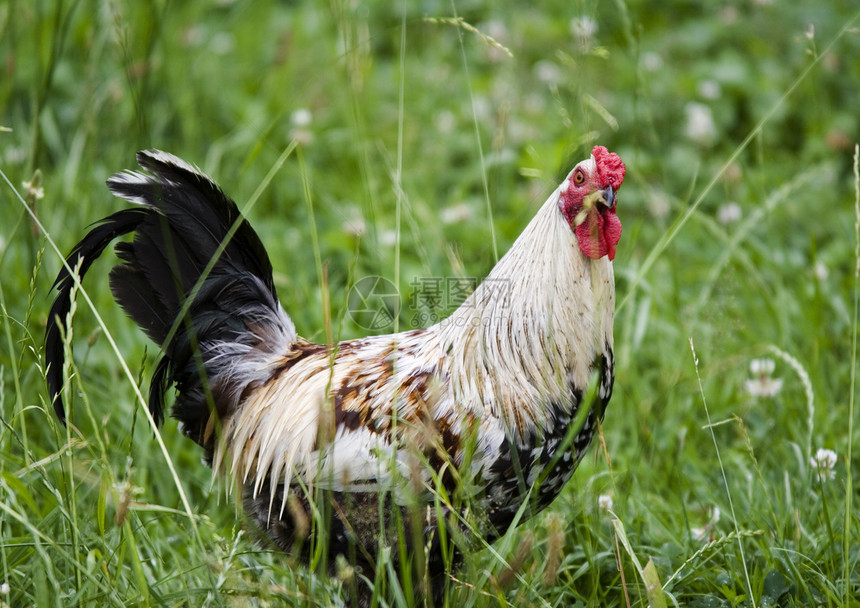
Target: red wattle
598,234
611,232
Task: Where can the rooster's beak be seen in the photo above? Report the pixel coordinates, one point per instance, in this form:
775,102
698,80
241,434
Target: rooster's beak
607,196
604,196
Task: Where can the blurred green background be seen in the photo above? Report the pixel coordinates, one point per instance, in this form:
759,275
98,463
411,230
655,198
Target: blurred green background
737,121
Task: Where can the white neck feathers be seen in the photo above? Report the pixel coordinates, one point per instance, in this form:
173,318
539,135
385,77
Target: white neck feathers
534,326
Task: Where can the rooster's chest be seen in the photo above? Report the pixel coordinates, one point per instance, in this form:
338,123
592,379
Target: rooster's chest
543,461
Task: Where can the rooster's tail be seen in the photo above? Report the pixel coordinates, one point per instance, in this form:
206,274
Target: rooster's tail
233,328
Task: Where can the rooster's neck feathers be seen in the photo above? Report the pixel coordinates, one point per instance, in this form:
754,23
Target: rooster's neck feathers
534,327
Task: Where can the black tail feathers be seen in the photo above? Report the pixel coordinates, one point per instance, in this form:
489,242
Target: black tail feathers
183,227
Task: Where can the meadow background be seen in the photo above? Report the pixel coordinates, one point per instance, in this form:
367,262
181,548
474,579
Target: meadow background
424,147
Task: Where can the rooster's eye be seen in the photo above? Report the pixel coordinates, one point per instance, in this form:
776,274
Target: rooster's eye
578,178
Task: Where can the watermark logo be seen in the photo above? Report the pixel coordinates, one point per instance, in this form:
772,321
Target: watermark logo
373,303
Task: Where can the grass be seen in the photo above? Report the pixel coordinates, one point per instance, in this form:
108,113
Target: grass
428,149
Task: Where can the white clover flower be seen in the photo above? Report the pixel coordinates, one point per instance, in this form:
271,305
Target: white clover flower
497,31
222,43
658,203
729,14
583,29
824,463
700,127
709,89
734,173
548,72
652,61
445,121
762,367
534,103
821,271
300,121
704,532
356,227
387,238
194,36
604,501
301,117
762,384
729,213
33,190
15,155
456,214
5,589
481,107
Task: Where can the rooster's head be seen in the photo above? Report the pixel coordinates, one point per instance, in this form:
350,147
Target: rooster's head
587,201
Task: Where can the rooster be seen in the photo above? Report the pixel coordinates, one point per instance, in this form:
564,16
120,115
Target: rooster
497,403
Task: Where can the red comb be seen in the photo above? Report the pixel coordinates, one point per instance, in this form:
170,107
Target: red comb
610,168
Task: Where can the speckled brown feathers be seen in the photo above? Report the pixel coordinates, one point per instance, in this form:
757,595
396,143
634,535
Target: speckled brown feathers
469,418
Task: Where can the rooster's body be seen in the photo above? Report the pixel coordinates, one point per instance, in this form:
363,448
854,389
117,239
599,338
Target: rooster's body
489,402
